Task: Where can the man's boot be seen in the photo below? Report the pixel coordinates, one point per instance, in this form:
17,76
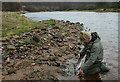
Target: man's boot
104,68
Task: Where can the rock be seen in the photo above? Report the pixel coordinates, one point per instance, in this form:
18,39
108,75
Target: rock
72,23
22,57
4,43
52,58
27,33
11,47
3,77
77,22
70,47
16,36
56,64
43,29
21,47
32,75
8,60
56,27
12,71
24,35
59,40
36,37
48,44
58,35
60,44
33,64
62,66
67,52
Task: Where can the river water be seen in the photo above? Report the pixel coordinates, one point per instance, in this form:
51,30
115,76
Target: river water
105,24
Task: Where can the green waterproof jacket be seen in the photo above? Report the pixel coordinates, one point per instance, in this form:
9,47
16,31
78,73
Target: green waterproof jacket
94,53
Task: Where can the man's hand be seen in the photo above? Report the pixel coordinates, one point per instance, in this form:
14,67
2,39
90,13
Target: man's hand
81,71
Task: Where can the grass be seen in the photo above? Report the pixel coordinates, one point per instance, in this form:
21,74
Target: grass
14,23
28,41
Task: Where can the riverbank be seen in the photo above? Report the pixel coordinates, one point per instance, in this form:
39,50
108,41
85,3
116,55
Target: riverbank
95,10
37,50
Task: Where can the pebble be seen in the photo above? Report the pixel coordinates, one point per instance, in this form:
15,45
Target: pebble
16,36
33,64
21,47
11,47
3,77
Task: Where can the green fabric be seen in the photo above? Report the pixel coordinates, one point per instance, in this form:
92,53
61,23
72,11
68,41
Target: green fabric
94,54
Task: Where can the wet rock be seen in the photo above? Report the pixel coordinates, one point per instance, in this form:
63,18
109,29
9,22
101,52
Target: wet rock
52,78
77,22
36,37
72,23
11,47
62,66
56,64
32,75
63,73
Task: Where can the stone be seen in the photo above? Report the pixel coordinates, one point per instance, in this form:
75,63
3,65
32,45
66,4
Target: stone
12,71
59,40
16,36
22,57
21,47
67,52
56,27
27,33
8,60
62,66
58,35
33,64
11,47
56,64
3,77
32,75
36,37
59,44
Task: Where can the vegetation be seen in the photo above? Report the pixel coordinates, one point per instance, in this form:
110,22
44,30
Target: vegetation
59,6
14,23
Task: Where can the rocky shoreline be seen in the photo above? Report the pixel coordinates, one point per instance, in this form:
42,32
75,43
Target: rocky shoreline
41,53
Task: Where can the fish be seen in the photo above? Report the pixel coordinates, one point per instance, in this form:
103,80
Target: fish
78,65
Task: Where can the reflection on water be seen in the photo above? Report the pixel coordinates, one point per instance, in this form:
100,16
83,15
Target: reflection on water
106,24
91,77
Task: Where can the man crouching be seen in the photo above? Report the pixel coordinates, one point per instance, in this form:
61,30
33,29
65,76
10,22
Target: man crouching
94,54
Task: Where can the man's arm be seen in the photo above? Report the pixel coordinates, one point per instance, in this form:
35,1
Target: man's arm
92,59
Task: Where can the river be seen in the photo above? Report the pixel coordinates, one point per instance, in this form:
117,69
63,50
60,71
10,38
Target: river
105,24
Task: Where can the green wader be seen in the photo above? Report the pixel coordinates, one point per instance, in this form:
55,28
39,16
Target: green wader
94,57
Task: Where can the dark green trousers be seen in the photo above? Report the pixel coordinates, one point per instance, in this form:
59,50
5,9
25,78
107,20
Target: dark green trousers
94,69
